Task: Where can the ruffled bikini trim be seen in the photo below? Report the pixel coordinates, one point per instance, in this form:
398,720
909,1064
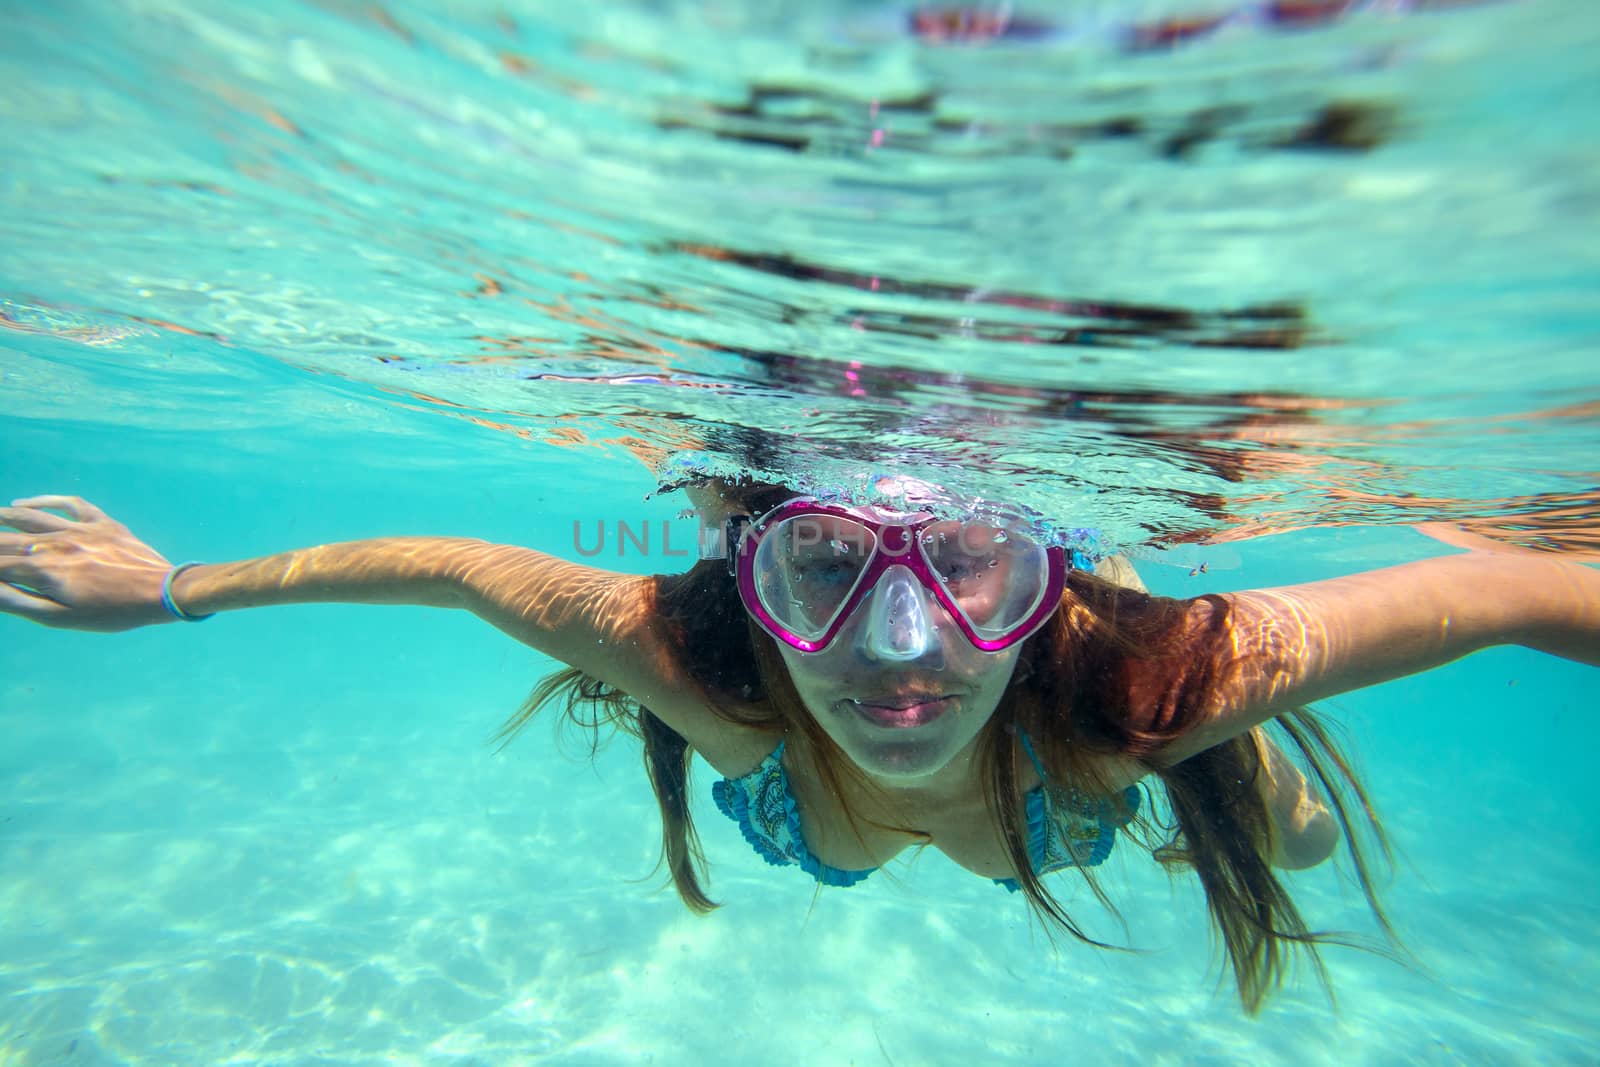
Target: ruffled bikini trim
733,797
733,800
733,803
1109,818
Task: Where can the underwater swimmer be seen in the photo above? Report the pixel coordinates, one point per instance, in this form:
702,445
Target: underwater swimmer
864,680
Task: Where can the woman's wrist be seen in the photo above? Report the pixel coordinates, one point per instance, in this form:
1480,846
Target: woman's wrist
168,597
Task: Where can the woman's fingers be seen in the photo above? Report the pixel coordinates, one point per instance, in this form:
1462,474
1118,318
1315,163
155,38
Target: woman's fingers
17,563
16,544
21,567
30,606
64,562
80,509
32,520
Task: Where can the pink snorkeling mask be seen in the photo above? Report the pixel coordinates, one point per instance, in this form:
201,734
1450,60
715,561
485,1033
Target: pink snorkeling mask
804,568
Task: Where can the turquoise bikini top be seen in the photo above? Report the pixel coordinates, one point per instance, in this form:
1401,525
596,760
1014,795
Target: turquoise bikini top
1065,828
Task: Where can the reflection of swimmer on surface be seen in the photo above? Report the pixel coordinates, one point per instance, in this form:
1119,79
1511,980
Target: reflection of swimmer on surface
795,115
988,23
866,679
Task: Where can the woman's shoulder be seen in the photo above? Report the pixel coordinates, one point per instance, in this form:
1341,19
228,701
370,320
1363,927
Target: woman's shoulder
653,669
738,750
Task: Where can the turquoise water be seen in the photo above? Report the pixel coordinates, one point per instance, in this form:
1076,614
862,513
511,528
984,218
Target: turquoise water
273,278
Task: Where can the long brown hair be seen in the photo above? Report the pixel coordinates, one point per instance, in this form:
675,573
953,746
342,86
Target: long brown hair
1073,694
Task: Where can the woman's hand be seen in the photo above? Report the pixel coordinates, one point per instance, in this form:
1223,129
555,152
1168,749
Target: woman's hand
79,571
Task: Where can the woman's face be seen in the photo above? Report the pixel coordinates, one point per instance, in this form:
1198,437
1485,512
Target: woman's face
901,719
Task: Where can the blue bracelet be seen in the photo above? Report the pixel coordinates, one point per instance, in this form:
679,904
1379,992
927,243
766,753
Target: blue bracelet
166,594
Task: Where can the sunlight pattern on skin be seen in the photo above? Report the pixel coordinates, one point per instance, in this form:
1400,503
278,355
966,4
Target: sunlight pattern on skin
1284,649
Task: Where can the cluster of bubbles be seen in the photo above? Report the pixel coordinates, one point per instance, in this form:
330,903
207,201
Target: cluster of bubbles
887,491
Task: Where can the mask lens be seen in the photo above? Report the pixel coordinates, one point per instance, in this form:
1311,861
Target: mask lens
995,574
808,566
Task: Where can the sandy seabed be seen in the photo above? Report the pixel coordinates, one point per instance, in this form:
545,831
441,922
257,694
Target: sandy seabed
281,837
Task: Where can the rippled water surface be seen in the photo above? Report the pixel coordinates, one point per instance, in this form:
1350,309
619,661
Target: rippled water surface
1265,274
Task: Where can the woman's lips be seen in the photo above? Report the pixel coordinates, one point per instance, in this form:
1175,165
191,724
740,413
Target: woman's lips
901,712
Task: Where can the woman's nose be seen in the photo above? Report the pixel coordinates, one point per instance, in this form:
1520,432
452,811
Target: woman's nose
902,623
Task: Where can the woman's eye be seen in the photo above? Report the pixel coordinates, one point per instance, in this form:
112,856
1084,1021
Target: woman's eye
962,569
830,573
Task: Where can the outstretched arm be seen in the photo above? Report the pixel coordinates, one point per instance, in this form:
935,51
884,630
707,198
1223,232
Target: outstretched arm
84,570
1292,646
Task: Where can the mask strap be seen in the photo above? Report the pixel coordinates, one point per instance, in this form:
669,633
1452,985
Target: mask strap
723,542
